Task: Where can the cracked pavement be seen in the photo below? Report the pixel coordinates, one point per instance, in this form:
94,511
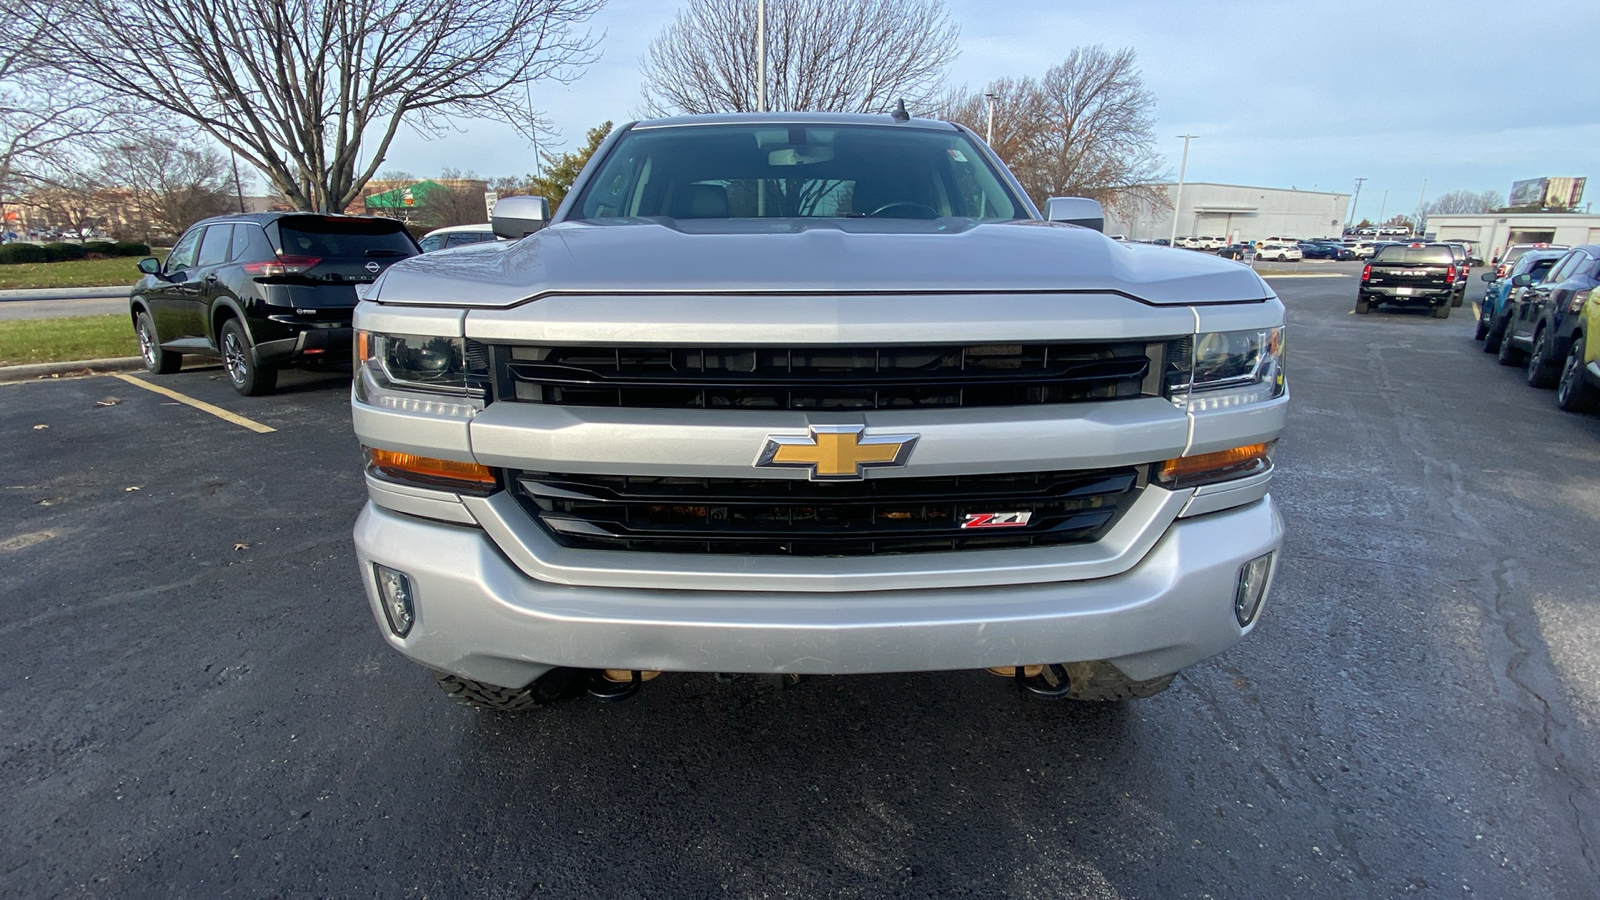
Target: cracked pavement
195,702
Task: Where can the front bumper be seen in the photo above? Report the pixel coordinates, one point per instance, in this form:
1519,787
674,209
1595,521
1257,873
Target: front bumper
479,616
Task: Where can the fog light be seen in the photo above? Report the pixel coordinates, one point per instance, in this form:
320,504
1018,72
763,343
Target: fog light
1252,589
397,599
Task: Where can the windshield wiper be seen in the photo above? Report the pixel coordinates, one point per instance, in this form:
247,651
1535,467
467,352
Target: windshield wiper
385,252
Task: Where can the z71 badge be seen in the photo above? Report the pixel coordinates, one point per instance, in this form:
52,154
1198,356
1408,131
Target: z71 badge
997,520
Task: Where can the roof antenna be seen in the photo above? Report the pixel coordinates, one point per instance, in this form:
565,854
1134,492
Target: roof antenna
900,114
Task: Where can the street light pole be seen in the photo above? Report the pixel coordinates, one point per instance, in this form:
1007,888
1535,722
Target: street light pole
990,97
761,54
1177,202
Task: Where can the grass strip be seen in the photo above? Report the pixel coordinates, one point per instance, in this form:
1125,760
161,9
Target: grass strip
26,341
112,272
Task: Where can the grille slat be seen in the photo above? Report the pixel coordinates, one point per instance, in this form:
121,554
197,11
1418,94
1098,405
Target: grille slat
827,377
805,518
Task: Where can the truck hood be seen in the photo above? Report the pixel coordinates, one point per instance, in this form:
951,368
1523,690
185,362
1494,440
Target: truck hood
788,256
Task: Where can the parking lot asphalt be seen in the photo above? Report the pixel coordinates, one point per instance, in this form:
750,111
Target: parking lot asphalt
195,702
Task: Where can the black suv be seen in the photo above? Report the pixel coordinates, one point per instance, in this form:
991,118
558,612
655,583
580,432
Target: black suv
1544,319
262,291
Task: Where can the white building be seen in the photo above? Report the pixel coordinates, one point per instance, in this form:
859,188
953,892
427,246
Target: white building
1493,232
1233,212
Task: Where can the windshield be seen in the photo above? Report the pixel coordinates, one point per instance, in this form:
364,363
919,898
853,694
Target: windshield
772,171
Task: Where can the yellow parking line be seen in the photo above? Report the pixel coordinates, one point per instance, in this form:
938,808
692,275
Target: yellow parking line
201,405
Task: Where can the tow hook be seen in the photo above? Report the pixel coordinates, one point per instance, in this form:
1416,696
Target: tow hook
1048,682
618,684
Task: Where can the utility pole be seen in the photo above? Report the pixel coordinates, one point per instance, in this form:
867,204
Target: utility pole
1421,199
1354,202
761,54
1177,201
990,98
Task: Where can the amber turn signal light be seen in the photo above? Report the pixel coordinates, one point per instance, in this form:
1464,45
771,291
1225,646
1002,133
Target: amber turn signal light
1206,468
425,471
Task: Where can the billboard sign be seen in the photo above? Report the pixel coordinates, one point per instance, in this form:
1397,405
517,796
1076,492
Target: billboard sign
1547,193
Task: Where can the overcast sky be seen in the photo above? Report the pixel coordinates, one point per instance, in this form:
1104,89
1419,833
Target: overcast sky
1470,94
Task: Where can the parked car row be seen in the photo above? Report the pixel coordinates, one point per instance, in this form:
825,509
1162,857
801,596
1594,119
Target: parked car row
1540,318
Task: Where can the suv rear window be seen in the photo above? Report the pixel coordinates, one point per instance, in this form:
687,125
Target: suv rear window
334,238
1427,254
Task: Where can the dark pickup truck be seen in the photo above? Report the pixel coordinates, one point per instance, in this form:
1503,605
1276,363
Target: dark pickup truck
1411,275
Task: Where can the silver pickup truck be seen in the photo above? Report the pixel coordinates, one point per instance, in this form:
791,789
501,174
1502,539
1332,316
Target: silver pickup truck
813,394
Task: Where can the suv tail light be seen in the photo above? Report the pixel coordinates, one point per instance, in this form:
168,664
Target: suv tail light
283,265
1450,275
1366,272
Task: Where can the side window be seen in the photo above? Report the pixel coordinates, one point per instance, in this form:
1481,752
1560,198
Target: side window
184,251
463,238
1564,268
214,248
241,242
430,244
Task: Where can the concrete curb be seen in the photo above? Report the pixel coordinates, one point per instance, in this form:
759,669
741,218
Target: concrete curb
68,369
78,293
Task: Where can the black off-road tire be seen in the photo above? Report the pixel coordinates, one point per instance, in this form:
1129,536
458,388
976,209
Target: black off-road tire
553,686
1574,393
1482,331
1363,305
1493,340
248,375
1099,681
157,360
1442,311
1509,355
1541,372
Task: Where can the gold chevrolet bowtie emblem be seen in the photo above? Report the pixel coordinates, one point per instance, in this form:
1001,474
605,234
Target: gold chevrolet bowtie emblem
836,452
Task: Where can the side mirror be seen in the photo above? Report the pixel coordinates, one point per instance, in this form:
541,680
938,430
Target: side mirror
518,217
1522,280
1076,211
150,265
1487,276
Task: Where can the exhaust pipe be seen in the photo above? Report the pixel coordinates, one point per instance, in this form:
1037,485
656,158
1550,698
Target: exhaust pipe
618,684
1047,682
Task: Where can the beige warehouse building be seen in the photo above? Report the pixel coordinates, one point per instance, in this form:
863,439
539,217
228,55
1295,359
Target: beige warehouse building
1234,212
1493,232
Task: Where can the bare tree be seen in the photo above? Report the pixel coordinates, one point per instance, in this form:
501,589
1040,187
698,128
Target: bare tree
822,56
1085,129
171,182
1465,203
292,86
44,123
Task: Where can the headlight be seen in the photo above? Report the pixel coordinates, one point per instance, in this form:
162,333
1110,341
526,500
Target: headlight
1577,301
1228,368
444,376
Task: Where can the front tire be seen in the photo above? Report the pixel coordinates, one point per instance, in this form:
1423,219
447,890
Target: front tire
1541,372
1574,393
157,360
248,375
1458,299
1482,332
